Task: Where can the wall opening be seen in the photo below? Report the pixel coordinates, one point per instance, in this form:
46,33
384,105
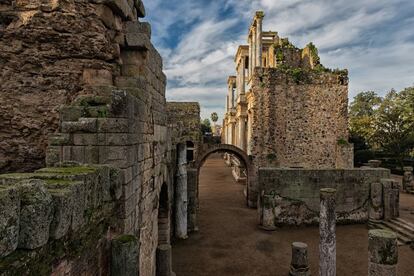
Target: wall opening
163,217
190,151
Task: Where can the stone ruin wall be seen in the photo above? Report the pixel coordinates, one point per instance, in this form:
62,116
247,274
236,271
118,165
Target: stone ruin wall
51,52
291,196
300,119
184,122
83,78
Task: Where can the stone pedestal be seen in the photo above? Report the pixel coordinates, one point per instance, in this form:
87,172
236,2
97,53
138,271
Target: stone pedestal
164,260
268,216
327,228
300,264
408,181
382,253
376,209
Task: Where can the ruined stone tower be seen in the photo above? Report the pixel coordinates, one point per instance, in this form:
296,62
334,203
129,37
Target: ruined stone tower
284,108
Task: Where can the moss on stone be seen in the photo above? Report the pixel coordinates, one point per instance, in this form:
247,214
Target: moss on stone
68,170
126,239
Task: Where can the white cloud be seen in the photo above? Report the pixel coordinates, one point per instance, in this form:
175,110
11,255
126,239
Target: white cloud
372,38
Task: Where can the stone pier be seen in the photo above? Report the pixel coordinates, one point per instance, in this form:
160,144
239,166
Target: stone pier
327,227
181,218
382,253
300,264
125,256
164,260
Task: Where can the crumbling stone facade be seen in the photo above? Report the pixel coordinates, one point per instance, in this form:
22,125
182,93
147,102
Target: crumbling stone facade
284,108
83,78
53,51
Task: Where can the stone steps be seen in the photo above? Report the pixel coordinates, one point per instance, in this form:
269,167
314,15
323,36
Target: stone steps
403,229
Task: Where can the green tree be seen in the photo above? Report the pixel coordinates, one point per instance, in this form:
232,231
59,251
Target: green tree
205,126
394,124
361,118
214,117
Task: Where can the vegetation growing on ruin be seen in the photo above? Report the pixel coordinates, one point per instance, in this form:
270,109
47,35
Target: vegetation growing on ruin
314,53
279,55
126,238
342,142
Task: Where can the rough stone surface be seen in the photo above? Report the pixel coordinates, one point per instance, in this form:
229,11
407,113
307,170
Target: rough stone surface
35,214
382,253
125,256
9,220
295,193
164,262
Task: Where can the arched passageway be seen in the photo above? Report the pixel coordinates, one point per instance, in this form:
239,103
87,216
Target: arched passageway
193,178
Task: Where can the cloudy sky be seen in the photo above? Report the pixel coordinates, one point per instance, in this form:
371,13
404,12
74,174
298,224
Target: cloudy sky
198,39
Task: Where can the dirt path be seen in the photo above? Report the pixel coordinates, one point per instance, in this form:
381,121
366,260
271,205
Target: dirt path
229,242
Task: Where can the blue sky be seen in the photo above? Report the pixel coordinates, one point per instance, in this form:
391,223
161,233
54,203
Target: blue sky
373,39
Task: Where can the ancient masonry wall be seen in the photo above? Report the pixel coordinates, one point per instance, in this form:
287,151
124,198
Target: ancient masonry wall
300,118
96,59
50,52
291,196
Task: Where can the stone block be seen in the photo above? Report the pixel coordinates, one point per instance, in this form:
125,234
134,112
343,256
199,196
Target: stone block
116,181
139,5
121,8
70,113
79,204
62,212
108,18
83,125
131,27
9,220
85,139
113,125
97,77
137,81
138,41
125,256
59,139
382,253
91,154
53,155
35,214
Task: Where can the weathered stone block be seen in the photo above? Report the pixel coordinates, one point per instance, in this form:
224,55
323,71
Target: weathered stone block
121,8
59,139
70,113
62,212
113,125
35,214
137,28
96,77
138,41
9,220
125,257
83,125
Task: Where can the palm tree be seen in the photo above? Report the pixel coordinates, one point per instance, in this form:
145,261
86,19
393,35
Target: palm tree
214,117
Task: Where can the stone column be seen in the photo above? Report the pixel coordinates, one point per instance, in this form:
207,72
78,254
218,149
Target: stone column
259,45
243,76
408,179
268,216
327,227
164,260
192,175
181,194
250,55
299,265
382,253
254,37
242,132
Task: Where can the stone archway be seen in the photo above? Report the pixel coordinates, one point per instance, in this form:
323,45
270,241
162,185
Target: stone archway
193,172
